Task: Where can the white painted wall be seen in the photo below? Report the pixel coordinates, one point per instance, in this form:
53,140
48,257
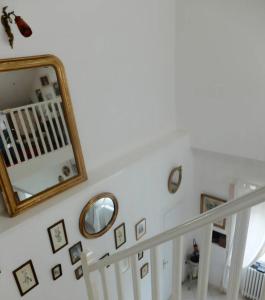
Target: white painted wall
118,57
213,174
140,186
220,70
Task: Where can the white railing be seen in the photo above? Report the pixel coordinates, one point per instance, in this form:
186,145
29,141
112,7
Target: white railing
240,207
32,130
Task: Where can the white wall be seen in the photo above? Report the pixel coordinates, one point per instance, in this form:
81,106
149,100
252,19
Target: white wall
118,57
141,189
213,174
220,69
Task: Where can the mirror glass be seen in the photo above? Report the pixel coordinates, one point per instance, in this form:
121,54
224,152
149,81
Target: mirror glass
34,137
98,215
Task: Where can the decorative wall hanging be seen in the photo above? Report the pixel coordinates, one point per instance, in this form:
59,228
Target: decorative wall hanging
140,229
79,272
140,255
104,256
120,235
58,236
209,202
39,135
25,277
144,270
23,27
57,272
75,252
98,216
174,179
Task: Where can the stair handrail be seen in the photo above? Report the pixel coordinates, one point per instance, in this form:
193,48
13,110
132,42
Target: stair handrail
224,210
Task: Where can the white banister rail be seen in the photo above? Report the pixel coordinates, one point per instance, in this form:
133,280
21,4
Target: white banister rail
202,221
33,130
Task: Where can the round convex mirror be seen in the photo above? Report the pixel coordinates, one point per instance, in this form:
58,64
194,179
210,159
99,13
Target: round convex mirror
174,179
98,215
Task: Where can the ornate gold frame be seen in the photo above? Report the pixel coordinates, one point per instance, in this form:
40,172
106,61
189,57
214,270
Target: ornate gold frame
86,209
13,206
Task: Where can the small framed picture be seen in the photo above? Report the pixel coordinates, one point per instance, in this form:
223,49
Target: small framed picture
75,252
44,80
57,272
25,277
144,270
209,202
120,235
140,229
58,236
79,272
140,255
104,256
56,89
39,95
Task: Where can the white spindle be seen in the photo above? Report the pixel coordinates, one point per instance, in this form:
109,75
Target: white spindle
36,142
241,230
154,274
58,123
14,146
262,286
26,133
86,258
37,122
46,128
51,123
104,283
118,281
14,121
204,264
64,123
177,264
136,288
6,148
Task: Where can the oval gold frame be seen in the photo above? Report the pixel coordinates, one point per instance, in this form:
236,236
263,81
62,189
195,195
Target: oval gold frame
86,209
177,185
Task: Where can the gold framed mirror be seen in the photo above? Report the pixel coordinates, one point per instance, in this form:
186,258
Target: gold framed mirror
98,216
174,179
41,154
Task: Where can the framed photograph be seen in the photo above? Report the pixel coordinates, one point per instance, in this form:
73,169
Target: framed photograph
140,229
120,235
209,202
104,256
57,272
44,80
39,95
79,272
144,270
75,252
140,255
58,236
56,89
25,277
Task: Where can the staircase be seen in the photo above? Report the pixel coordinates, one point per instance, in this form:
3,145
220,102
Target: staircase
239,207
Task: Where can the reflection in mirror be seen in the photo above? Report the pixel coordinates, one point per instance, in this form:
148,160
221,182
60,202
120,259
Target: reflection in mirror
98,215
34,138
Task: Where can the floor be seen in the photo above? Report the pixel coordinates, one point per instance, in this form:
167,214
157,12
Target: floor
213,294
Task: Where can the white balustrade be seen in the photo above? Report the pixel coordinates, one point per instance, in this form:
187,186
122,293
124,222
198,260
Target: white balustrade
240,206
33,130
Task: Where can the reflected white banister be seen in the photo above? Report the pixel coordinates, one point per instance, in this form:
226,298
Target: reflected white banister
33,130
176,234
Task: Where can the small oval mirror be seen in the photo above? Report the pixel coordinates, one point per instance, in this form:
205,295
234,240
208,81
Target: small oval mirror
174,179
98,215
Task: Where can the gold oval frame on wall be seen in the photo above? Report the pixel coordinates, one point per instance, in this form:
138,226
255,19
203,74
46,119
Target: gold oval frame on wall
87,208
174,186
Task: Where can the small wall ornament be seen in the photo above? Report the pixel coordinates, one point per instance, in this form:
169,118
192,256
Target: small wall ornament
7,20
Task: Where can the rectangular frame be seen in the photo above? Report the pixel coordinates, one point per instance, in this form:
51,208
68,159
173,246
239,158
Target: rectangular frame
203,209
71,254
142,274
53,270
115,235
51,239
13,206
137,235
